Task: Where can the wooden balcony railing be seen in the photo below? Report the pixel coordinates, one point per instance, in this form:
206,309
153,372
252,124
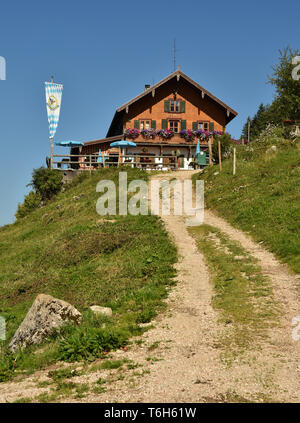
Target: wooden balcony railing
93,161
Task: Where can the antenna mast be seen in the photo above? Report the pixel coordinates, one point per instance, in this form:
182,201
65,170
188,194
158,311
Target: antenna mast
174,52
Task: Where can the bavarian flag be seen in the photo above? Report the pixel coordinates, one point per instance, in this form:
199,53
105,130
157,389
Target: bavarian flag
53,102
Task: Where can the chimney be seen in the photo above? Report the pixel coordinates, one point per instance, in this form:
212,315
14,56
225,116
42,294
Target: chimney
147,86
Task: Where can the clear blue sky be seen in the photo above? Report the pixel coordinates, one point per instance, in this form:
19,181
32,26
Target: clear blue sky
105,51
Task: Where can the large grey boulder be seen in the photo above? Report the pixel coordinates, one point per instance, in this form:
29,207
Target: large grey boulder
45,314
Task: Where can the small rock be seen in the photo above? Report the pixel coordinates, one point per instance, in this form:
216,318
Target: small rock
272,149
216,173
77,197
106,311
45,314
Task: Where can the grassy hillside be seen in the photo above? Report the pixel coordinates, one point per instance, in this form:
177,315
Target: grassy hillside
67,250
263,198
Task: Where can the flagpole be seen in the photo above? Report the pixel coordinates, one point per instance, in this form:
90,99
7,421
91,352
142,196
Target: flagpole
51,140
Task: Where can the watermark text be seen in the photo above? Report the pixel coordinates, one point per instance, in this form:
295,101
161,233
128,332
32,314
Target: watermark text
2,69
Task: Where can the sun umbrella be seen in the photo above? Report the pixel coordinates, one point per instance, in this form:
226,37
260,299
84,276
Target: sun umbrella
123,143
99,160
69,143
198,148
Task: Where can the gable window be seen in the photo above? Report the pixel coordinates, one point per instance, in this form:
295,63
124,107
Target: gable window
174,106
145,124
174,125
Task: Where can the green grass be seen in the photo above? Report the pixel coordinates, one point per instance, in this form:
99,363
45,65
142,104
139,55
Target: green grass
242,294
112,364
263,198
67,250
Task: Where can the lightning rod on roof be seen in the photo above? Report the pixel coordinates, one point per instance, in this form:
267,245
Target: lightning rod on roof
174,54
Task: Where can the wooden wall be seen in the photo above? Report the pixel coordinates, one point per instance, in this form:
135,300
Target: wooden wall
196,107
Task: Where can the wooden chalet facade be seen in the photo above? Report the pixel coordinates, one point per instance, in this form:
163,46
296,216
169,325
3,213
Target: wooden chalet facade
176,103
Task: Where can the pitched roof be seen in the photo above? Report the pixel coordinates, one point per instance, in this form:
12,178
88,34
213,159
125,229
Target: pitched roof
231,113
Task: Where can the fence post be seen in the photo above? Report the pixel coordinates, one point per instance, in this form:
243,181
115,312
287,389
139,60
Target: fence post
103,160
234,160
220,155
210,150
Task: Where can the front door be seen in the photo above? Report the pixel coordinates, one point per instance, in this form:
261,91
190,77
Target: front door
181,162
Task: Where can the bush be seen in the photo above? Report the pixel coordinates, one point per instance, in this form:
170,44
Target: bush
226,145
46,182
146,316
91,343
271,135
31,202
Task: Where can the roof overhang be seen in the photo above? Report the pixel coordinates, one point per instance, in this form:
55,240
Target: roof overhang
105,140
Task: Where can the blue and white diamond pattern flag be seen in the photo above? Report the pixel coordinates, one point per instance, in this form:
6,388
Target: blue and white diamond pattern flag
53,101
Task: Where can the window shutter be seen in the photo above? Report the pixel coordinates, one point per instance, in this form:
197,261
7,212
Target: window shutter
194,126
167,106
211,126
182,125
153,124
137,124
182,107
164,123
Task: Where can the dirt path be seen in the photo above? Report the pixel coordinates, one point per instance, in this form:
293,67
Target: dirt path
178,360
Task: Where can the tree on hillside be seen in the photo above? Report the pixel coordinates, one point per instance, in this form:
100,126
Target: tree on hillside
259,121
286,104
287,89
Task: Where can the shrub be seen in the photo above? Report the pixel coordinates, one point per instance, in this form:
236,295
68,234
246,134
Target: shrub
271,135
46,182
91,343
31,202
146,316
226,145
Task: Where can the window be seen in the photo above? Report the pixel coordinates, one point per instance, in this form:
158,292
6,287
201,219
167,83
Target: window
145,124
203,125
174,125
174,106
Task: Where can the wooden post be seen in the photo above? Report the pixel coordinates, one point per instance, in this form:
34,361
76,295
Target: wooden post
51,139
103,160
234,160
119,158
51,153
243,141
220,156
248,130
210,151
